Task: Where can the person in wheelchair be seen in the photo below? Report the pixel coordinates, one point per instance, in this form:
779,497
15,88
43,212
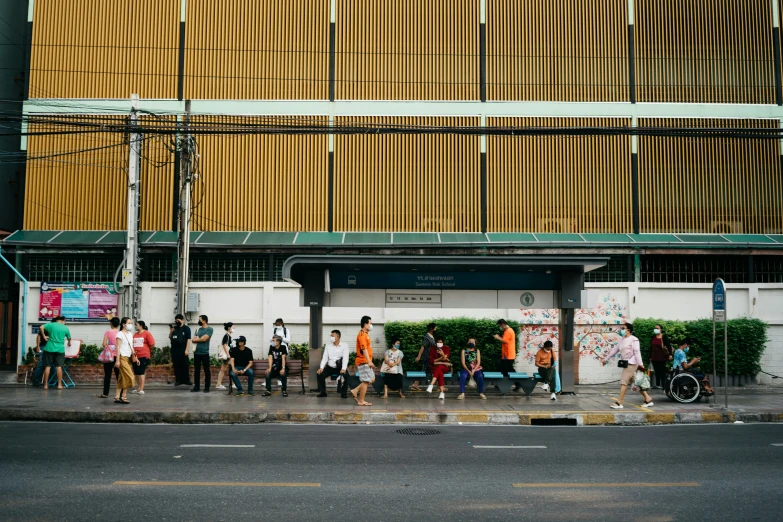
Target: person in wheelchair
681,364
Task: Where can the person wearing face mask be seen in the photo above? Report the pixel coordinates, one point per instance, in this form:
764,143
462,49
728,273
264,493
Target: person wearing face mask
201,354
364,365
284,334
660,354
334,361
440,366
508,351
630,362
392,370
277,367
471,367
545,362
681,363
142,344
224,353
179,335
123,363
427,345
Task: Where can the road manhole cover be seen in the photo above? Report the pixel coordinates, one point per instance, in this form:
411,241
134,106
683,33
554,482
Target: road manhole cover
418,431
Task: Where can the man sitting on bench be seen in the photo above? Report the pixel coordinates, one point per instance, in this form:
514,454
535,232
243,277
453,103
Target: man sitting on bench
242,358
545,362
278,353
334,362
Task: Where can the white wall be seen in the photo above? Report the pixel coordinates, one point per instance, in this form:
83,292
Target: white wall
253,307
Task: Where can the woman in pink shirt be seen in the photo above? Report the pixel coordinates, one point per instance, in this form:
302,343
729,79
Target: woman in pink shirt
142,344
631,355
109,354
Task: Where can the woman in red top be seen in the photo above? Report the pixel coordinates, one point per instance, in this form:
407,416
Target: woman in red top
660,353
142,345
440,366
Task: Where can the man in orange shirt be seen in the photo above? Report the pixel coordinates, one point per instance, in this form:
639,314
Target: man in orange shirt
508,352
364,364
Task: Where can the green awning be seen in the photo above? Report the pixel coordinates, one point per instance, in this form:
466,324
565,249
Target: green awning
291,240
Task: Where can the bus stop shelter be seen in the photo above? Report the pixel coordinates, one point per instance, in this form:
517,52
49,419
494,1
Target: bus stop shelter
562,274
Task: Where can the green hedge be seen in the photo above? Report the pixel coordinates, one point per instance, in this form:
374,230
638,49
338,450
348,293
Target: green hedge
455,333
747,340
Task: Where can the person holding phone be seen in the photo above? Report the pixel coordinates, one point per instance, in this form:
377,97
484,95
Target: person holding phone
440,366
681,363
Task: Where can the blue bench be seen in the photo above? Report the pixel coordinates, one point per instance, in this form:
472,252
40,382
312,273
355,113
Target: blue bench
503,383
425,378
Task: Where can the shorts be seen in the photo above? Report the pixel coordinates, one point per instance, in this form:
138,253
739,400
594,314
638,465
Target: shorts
139,369
56,359
628,374
366,374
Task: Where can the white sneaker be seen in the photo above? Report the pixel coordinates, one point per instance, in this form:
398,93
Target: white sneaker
648,404
554,396
545,387
279,382
221,387
141,392
429,388
442,395
134,391
616,406
461,397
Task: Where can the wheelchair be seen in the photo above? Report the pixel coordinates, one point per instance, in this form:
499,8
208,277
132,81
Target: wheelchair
684,387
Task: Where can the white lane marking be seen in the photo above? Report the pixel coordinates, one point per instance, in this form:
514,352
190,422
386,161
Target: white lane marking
777,444
510,447
217,446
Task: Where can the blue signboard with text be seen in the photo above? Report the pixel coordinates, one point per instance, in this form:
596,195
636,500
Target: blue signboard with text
718,296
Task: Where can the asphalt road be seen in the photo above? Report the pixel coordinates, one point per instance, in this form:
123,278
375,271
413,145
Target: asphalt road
345,473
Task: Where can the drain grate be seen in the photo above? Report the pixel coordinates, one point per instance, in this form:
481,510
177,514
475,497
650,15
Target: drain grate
553,422
417,431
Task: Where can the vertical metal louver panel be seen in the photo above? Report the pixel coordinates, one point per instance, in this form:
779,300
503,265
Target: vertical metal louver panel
407,50
76,181
557,50
707,51
710,185
407,183
559,184
257,49
262,182
104,49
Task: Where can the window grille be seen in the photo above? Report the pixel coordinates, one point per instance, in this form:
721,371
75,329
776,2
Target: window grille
615,271
768,269
693,269
76,268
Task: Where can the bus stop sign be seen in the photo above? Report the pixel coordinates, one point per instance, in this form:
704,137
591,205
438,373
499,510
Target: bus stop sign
719,301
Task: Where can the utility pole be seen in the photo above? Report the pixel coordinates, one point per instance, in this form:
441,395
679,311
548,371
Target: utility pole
186,177
130,273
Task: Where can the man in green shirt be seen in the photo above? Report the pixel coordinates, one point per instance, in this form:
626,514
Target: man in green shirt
54,351
201,354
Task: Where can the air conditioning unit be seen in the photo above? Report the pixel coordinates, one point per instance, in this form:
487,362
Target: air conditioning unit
726,226
554,225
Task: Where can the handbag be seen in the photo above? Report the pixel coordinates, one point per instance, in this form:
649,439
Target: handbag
108,354
622,363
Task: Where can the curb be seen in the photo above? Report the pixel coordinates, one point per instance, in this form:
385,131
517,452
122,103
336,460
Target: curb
352,417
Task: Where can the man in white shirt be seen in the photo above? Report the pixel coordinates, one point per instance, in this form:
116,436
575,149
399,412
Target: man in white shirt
335,360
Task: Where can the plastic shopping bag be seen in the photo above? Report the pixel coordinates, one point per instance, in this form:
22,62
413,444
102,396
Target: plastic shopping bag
641,380
557,378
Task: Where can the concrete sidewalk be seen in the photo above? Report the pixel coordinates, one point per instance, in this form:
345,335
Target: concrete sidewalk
590,406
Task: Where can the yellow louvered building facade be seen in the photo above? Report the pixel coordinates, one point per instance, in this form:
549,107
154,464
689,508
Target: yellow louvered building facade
445,55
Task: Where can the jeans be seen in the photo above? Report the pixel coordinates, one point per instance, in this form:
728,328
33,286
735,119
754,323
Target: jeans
464,377
506,367
328,372
180,363
199,360
39,370
251,375
107,368
276,373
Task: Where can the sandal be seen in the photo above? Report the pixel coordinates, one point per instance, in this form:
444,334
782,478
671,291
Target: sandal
354,396
384,396
402,396
365,404
124,400
117,401
414,388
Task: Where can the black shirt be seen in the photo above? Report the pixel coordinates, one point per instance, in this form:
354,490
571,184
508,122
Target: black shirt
277,356
179,339
241,357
